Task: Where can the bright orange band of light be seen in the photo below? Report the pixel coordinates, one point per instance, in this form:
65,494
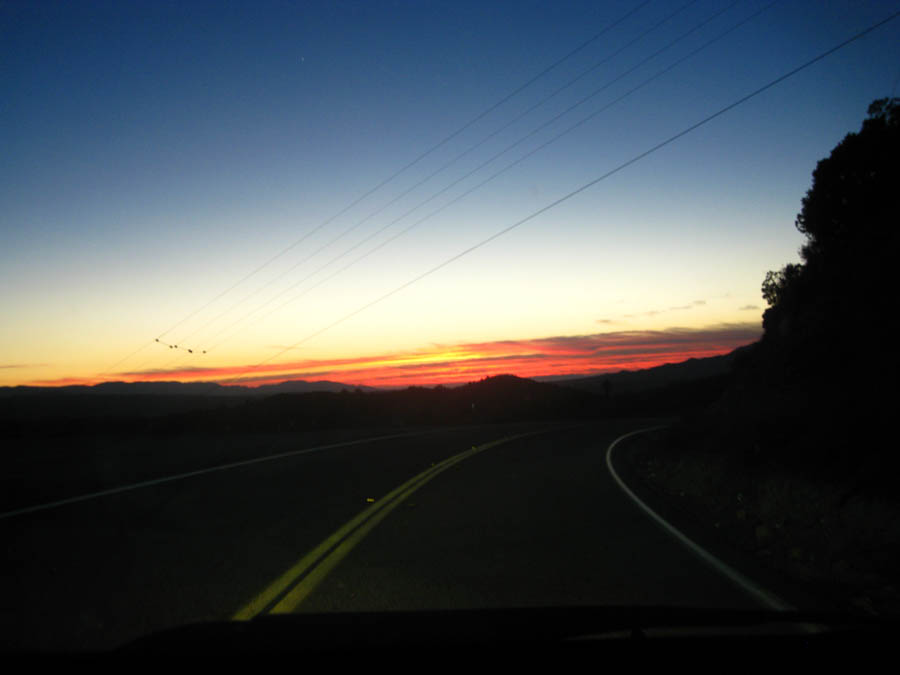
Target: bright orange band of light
554,356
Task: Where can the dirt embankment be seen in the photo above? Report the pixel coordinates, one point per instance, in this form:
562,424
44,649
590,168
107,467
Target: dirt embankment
830,536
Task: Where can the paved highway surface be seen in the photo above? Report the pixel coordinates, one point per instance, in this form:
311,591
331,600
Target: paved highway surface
212,530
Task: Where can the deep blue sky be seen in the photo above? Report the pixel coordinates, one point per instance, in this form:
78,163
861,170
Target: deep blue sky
153,153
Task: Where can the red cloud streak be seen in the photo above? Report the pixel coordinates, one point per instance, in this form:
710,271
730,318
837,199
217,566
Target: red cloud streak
449,364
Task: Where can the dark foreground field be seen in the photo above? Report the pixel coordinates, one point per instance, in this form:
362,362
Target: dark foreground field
831,535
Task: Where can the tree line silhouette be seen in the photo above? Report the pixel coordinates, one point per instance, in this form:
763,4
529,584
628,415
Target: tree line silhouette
834,311
817,391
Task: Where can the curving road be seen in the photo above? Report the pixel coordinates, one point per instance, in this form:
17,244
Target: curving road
174,531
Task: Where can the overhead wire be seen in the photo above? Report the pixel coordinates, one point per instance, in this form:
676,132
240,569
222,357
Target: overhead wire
431,175
582,188
533,132
521,159
390,178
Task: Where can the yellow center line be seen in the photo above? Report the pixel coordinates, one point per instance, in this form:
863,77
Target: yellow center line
287,594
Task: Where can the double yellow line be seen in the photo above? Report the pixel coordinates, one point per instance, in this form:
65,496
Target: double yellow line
286,593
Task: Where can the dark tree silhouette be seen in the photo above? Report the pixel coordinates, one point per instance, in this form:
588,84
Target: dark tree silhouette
826,313
776,284
850,212
813,400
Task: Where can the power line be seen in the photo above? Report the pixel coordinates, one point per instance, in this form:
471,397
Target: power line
518,161
494,157
109,369
424,180
459,197
394,175
585,186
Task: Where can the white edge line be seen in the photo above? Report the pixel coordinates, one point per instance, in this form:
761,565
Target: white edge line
769,599
199,472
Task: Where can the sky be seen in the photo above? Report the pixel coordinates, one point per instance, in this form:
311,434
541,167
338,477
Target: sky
305,190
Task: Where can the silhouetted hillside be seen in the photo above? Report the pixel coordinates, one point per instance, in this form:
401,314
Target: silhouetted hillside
795,462
495,399
633,381
816,391
660,391
112,403
180,389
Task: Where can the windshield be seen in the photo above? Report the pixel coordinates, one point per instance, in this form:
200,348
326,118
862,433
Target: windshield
337,307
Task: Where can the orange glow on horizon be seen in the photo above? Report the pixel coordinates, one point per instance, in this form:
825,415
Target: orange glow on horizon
457,364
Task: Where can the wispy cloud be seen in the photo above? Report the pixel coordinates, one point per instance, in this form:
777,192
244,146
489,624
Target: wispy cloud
748,308
695,303
657,312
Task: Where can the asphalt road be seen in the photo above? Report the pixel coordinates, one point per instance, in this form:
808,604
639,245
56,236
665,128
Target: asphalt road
536,520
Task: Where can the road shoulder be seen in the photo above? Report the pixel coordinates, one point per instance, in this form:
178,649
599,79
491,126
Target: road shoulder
709,502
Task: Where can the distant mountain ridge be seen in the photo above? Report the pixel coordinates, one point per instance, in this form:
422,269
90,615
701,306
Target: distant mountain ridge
623,381
175,388
635,381
174,406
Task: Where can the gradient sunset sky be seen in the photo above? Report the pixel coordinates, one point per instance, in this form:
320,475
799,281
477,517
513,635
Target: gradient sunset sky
203,173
